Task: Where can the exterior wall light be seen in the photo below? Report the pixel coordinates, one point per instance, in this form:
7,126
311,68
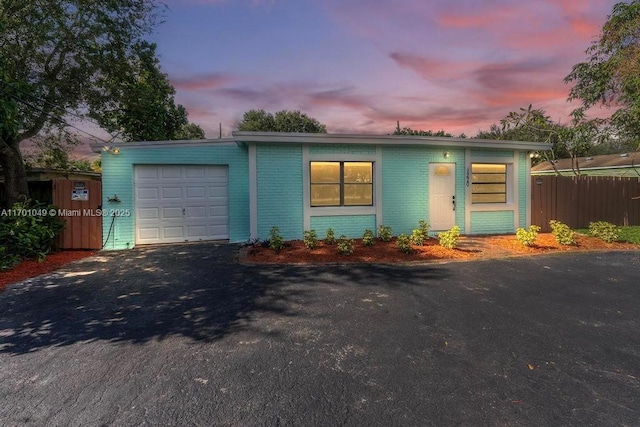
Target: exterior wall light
446,154
112,150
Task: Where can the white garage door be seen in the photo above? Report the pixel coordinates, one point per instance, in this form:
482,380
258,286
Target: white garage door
180,203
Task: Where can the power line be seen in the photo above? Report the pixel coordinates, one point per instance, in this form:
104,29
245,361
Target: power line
57,107
64,122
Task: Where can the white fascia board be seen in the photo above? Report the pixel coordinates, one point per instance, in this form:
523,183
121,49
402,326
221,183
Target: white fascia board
327,138
604,168
96,148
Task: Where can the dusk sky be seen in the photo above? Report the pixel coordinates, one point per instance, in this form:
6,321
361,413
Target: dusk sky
360,65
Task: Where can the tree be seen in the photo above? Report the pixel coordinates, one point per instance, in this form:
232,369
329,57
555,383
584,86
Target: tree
567,141
143,106
611,76
282,121
190,131
61,57
409,131
53,151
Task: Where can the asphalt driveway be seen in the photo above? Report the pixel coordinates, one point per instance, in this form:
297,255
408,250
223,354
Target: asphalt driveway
185,335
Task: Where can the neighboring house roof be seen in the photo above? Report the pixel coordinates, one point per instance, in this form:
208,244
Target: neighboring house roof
591,163
328,138
45,174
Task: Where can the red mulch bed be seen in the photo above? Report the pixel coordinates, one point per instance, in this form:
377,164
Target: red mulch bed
33,268
381,252
385,252
546,242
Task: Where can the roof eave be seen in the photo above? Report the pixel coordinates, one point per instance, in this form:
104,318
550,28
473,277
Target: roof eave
97,148
326,138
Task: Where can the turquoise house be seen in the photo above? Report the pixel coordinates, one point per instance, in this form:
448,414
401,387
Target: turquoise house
237,188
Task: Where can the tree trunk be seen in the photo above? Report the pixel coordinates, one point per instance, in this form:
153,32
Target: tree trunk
15,174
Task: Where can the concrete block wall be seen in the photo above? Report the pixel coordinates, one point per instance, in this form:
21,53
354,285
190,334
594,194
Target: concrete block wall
405,185
349,225
523,191
279,174
492,222
118,178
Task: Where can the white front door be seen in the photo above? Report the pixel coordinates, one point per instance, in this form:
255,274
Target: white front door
180,203
442,194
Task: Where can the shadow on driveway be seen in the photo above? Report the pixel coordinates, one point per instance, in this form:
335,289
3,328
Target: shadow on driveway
196,290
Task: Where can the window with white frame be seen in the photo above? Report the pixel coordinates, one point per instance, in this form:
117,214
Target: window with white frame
341,183
488,183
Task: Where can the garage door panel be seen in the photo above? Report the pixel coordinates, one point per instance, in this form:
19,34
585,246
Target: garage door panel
217,172
171,172
219,231
149,233
172,193
173,232
218,192
147,193
149,213
177,203
195,172
196,192
196,212
196,231
218,221
146,173
172,213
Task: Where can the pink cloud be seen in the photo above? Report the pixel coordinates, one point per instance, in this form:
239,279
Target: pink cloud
582,24
202,82
340,98
429,68
490,15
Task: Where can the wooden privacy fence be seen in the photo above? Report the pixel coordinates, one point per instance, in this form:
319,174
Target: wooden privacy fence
579,200
78,203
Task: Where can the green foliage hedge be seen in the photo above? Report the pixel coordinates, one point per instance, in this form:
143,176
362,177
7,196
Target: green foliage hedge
276,242
604,230
345,245
385,233
310,239
368,239
27,231
404,243
449,239
528,237
563,234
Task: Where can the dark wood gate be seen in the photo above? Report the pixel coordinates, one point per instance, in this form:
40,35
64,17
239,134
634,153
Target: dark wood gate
78,203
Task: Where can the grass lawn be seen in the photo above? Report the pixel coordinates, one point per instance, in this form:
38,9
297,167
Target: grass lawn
629,234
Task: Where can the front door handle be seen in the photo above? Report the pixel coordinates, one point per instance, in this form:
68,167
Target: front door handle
454,202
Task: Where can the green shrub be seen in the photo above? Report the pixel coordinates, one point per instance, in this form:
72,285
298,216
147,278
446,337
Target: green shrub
310,239
604,230
528,238
420,234
404,244
330,237
275,239
368,239
345,246
7,260
27,231
449,239
563,234
385,233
